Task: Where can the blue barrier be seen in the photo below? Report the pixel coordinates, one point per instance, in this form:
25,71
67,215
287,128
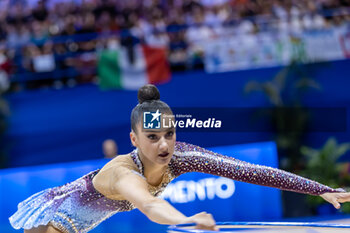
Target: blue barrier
236,201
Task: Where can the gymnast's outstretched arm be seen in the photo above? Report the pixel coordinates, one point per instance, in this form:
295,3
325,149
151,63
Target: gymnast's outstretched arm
190,158
132,187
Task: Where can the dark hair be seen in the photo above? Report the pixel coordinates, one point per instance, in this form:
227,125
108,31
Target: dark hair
149,101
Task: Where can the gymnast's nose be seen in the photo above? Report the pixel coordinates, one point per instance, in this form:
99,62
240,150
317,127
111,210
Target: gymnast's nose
163,145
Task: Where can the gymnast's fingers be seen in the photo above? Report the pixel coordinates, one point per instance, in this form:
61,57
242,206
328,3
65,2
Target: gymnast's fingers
335,203
343,197
332,198
204,221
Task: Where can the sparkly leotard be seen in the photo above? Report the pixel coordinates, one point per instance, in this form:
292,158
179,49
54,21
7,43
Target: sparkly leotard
79,207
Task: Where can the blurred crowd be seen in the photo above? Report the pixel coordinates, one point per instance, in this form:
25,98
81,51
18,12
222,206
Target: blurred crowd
41,36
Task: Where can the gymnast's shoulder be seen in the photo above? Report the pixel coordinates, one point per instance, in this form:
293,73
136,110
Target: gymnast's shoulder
106,179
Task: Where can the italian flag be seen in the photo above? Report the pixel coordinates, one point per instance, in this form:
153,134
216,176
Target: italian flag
117,70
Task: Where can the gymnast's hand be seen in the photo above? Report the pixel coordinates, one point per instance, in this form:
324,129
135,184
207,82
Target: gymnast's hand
203,221
336,198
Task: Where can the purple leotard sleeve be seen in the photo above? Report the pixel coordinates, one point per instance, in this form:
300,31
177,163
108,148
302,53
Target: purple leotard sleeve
190,158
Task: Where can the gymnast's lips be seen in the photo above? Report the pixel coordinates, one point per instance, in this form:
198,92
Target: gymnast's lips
163,155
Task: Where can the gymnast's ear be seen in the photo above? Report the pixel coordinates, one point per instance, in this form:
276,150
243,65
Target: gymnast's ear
133,138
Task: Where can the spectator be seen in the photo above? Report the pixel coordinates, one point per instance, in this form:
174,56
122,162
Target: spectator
157,39
110,149
4,70
40,13
44,61
177,25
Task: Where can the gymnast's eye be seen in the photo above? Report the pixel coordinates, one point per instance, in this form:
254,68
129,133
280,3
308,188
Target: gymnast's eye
169,134
152,136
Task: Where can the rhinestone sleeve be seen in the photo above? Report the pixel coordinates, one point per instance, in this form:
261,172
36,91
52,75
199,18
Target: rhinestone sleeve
190,158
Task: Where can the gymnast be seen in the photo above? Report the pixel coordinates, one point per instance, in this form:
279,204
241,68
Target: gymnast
137,179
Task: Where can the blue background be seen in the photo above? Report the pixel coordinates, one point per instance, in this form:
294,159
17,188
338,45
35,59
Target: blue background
48,126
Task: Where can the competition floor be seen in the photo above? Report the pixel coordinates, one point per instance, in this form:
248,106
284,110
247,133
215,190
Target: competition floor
335,226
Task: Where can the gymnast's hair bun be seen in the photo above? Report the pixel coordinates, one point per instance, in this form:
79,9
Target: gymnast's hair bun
148,92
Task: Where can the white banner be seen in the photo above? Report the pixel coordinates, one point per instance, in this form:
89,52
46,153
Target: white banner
269,49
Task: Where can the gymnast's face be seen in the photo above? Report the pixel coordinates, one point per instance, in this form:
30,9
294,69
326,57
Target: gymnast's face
155,146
